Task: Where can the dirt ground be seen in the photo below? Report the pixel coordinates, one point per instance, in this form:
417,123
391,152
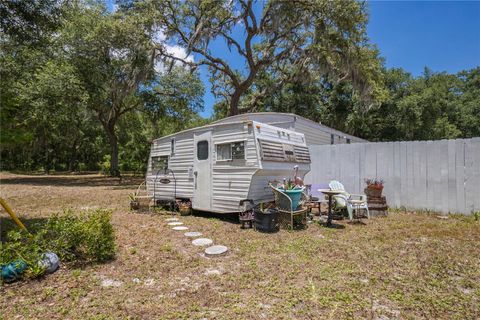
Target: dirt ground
404,266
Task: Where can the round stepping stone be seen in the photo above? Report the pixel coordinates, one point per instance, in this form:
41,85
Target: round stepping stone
192,234
171,219
202,242
181,228
175,223
216,250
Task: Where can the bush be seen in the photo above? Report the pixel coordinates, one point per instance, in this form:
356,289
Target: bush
87,237
76,238
105,165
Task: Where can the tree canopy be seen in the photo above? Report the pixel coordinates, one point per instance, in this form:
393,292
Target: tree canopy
87,88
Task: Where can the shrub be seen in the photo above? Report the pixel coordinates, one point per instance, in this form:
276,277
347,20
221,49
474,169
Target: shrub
87,237
76,238
105,165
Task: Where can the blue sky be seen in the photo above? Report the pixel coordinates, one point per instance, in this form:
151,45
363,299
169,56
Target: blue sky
441,35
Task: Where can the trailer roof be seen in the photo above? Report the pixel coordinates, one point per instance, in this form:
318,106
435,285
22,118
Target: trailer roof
216,124
278,117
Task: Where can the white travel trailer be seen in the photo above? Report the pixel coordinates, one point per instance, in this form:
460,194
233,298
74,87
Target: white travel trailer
224,167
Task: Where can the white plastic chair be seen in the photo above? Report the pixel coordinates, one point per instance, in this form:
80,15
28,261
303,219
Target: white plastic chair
345,199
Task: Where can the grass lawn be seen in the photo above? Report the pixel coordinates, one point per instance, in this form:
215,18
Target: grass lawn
404,266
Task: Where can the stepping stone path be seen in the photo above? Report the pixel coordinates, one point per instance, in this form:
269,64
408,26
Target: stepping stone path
202,242
211,251
216,250
192,234
181,228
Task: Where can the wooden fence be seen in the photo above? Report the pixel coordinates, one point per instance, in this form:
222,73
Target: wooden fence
441,175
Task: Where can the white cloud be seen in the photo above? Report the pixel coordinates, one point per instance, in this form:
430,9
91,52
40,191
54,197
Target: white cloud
177,51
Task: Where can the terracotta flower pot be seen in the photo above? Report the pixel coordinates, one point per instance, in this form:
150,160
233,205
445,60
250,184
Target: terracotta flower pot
373,191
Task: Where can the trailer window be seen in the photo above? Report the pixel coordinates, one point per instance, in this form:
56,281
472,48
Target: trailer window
224,151
202,150
238,150
159,163
231,151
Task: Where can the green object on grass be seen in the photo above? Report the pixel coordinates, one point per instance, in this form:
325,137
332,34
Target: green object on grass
13,271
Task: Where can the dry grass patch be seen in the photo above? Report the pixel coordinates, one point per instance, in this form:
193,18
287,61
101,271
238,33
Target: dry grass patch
403,266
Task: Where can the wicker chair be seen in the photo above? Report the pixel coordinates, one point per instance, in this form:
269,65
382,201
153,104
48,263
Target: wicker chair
284,207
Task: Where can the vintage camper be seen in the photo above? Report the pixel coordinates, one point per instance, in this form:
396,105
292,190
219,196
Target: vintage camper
225,166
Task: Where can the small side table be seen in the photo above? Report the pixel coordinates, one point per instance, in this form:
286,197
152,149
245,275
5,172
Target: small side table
329,193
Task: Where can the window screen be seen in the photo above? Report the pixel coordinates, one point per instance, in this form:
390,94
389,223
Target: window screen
159,163
231,151
224,151
238,150
202,150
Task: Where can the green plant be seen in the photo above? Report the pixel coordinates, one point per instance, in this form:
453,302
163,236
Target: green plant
476,215
83,237
86,237
20,245
105,165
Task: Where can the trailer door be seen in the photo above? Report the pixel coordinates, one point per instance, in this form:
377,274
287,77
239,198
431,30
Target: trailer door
202,171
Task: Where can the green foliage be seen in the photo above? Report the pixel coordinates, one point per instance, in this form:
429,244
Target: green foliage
476,215
81,238
86,237
80,82
105,165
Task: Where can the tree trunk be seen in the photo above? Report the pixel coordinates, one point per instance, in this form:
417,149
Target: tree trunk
72,164
234,101
112,138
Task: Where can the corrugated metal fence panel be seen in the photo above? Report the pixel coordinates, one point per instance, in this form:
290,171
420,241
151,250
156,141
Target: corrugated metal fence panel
472,174
443,175
460,174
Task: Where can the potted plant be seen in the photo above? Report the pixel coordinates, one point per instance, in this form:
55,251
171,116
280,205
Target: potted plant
266,218
134,203
185,208
374,187
293,188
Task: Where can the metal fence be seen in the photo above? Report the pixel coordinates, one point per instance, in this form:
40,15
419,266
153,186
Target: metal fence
441,175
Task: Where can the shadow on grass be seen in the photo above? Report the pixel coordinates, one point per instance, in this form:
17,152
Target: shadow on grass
227,217
32,225
74,181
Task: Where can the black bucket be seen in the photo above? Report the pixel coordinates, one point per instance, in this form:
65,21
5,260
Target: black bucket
266,221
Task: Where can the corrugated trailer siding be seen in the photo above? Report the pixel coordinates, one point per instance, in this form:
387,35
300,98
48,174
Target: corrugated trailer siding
231,179
315,133
180,162
271,171
275,133
312,135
